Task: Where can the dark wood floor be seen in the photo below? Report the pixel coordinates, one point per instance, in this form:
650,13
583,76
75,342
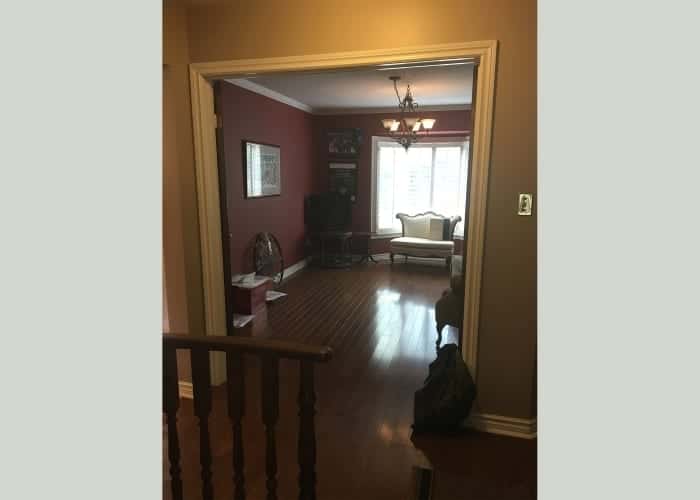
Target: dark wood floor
379,319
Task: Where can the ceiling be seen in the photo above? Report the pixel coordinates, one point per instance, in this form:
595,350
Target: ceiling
367,89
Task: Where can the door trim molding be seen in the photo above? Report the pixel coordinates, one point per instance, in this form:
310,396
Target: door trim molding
506,426
204,131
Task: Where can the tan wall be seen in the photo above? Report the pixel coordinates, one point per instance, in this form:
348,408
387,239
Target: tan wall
181,254
266,28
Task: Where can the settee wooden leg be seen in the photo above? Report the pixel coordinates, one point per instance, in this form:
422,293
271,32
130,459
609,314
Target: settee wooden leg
391,257
448,262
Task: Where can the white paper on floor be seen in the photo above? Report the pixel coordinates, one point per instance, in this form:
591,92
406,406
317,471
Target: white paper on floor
240,320
271,295
248,280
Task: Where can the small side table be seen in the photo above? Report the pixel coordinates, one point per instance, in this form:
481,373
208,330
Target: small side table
342,258
363,238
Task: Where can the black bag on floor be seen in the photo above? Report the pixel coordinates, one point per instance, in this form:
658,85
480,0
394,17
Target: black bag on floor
446,398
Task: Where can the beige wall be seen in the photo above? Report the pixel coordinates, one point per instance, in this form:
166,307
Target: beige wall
181,230
181,255
266,28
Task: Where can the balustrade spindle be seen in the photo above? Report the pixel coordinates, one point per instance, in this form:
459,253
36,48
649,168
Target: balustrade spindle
270,414
269,352
235,375
171,403
201,386
307,432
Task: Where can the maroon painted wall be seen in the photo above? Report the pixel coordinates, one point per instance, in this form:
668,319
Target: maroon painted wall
370,124
250,116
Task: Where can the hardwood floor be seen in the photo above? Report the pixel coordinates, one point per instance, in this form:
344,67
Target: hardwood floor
379,320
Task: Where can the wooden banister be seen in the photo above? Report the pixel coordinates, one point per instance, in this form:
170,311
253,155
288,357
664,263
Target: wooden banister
269,352
279,348
202,407
171,403
270,414
235,374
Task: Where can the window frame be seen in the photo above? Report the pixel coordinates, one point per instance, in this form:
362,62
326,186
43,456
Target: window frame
377,142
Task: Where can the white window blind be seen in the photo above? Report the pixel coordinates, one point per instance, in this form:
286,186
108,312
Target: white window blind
427,177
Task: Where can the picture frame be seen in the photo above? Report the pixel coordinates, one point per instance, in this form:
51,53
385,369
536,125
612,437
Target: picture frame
261,169
342,165
344,143
342,178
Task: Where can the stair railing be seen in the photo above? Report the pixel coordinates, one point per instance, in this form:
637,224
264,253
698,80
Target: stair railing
270,352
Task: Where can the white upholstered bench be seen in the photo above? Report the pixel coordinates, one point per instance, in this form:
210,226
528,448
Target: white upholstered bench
427,235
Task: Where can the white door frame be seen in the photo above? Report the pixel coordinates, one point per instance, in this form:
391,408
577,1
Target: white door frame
202,76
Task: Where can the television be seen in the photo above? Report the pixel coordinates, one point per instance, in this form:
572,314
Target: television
330,211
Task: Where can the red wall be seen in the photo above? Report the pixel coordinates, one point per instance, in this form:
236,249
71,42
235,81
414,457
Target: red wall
304,168
250,116
370,124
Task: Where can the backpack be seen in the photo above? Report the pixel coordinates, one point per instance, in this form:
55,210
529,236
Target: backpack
446,397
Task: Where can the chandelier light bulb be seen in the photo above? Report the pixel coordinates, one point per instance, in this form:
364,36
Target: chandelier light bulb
428,123
410,122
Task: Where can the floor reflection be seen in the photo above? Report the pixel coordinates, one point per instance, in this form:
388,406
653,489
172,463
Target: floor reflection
401,326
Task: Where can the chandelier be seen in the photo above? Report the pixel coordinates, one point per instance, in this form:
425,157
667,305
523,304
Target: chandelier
405,129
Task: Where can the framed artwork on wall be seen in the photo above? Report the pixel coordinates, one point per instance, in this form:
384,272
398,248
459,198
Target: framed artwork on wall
343,178
344,143
261,169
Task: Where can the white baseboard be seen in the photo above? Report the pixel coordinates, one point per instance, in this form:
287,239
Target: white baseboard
185,389
295,268
506,426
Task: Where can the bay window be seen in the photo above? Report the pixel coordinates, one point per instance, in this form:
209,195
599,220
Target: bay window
427,177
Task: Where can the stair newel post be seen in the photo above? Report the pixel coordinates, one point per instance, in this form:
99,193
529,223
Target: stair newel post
201,385
270,415
307,432
171,404
235,376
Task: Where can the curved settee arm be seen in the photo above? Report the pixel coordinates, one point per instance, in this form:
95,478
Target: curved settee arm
453,224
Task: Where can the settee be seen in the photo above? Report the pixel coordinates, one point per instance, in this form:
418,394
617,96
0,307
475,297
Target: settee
427,235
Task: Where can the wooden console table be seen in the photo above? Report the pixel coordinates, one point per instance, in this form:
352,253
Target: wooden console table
364,246
342,257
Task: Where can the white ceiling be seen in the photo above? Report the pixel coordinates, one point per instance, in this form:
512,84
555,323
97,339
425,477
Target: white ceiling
366,89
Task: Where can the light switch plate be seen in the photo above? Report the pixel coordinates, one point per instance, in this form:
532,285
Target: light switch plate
525,204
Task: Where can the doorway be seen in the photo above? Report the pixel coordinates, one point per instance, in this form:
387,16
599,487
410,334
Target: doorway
204,125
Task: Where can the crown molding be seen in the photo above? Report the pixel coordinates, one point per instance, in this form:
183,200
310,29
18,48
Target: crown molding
275,96
383,111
